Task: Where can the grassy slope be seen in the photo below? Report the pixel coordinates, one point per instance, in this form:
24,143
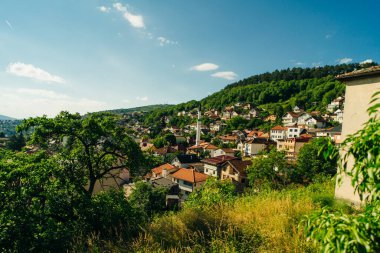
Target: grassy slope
268,222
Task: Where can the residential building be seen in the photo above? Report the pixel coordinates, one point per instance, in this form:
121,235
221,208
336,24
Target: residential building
157,172
290,118
360,86
257,145
278,132
236,170
223,151
291,146
188,180
212,166
187,161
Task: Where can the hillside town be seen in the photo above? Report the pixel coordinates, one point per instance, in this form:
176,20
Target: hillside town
226,155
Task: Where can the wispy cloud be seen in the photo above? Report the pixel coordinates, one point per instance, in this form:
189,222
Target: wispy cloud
142,98
205,67
134,20
42,93
344,60
104,9
26,102
366,61
164,41
126,101
228,75
299,63
9,24
30,71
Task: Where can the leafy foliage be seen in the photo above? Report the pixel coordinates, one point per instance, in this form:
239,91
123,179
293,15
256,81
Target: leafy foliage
90,147
336,232
213,192
271,170
311,161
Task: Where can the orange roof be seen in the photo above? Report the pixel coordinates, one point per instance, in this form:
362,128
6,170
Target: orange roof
190,175
217,160
255,133
279,128
158,170
204,145
228,137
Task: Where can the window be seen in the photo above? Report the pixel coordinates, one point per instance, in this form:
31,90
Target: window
291,130
187,183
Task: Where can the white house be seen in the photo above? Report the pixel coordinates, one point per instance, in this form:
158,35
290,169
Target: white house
278,132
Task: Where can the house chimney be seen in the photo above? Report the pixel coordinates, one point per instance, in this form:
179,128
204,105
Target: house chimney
164,173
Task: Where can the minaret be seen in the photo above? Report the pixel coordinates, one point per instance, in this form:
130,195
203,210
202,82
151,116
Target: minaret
198,136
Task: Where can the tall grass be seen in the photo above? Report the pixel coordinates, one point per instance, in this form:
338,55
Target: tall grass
264,222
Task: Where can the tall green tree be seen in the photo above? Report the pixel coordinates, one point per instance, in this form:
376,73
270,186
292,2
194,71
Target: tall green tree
89,147
312,162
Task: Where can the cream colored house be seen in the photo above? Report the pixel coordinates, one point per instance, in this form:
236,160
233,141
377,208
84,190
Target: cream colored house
360,86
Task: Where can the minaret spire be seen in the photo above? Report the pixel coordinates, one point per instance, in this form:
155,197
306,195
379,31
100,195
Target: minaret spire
198,135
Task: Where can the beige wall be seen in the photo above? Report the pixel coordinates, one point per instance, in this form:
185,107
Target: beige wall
358,95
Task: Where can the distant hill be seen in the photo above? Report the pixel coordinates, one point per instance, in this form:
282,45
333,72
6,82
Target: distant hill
3,117
308,88
147,108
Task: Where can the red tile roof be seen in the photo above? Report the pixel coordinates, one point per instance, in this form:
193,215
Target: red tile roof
217,160
279,128
158,170
190,175
204,145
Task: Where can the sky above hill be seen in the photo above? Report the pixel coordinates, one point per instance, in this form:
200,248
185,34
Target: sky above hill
91,55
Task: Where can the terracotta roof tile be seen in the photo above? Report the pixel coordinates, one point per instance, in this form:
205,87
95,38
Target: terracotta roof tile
279,128
190,175
158,170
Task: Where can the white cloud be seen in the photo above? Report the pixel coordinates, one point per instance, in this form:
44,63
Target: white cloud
229,75
133,19
30,71
104,9
367,61
142,98
9,24
344,60
126,101
164,41
42,93
25,102
299,63
205,67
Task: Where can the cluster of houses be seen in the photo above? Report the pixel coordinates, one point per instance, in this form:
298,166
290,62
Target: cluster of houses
192,165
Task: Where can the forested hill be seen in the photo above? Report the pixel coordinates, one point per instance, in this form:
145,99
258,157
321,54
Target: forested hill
299,74
308,88
3,117
147,108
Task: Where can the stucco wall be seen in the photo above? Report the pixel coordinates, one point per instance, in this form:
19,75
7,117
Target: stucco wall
358,95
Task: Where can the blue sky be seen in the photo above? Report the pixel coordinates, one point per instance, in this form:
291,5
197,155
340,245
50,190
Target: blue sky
91,55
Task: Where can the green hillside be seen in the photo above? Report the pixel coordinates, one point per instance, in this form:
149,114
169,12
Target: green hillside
308,88
147,108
